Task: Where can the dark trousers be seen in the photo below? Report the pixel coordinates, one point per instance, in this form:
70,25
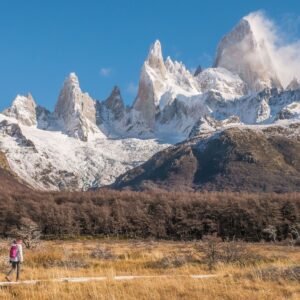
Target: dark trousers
15,265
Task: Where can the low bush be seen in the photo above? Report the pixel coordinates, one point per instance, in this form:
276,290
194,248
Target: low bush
216,251
102,253
277,273
170,262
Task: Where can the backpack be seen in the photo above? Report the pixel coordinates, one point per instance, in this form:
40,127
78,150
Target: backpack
13,252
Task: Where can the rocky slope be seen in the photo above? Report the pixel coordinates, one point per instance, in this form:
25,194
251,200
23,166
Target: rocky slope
51,160
9,182
23,109
260,159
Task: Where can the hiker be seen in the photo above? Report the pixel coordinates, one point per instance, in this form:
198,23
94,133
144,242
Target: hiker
15,258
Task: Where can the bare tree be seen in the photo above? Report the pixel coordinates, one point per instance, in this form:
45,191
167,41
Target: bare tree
294,234
28,231
271,232
210,245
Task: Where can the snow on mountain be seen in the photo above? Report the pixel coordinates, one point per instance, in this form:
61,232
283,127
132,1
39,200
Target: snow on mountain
168,94
208,124
23,109
178,119
159,84
293,85
244,51
76,147
291,111
87,143
244,83
253,158
114,103
45,119
221,80
76,110
51,160
110,114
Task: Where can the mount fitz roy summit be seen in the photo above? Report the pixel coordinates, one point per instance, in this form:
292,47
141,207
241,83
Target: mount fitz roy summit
87,143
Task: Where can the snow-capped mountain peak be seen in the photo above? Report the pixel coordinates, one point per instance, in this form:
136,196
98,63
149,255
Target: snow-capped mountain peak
244,51
155,62
115,96
230,85
72,79
151,85
76,110
115,104
23,109
70,96
160,82
155,57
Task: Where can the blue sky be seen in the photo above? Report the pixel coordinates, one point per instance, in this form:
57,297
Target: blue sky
105,42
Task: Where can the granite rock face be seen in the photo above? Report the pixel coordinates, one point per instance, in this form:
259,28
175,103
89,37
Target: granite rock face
244,52
23,109
76,110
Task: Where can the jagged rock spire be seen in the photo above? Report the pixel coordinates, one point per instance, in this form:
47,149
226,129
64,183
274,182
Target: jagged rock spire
149,85
75,109
293,85
155,52
243,51
23,109
69,98
161,78
198,71
155,58
115,103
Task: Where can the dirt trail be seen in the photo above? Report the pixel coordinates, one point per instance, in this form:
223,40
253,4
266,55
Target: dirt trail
102,278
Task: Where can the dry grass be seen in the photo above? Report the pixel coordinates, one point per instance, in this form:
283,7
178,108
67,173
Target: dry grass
55,259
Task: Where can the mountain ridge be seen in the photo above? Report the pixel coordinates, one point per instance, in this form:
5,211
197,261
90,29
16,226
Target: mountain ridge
86,143
264,159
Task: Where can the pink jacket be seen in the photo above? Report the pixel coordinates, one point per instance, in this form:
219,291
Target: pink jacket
19,257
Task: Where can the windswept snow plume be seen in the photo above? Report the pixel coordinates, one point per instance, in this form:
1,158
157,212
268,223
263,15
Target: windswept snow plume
285,56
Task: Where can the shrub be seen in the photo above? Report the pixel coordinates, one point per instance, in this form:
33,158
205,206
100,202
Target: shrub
234,252
102,253
276,273
170,262
28,231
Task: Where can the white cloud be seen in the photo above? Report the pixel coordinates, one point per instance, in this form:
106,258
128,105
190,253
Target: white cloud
132,88
105,72
284,55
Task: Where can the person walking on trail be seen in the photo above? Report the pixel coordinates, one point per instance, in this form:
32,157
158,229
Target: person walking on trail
15,258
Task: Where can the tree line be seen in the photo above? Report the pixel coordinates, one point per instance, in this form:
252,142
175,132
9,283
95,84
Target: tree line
155,214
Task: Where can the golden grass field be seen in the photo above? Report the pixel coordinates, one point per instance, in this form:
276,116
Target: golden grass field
254,278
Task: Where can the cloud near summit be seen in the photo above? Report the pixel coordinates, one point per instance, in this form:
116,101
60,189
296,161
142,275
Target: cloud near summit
284,55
